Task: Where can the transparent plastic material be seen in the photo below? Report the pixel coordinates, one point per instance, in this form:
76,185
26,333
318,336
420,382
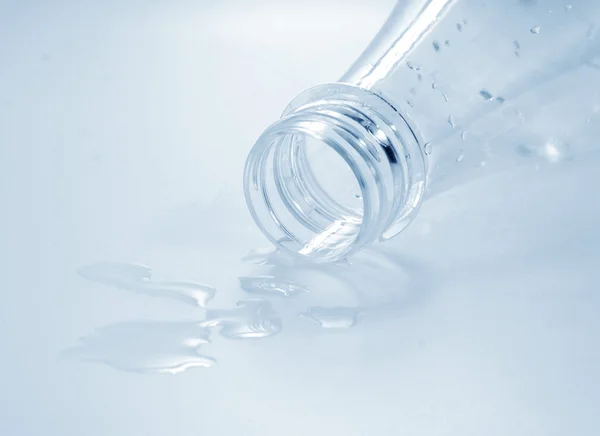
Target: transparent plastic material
447,91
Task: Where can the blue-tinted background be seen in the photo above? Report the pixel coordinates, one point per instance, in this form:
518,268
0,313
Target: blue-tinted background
124,127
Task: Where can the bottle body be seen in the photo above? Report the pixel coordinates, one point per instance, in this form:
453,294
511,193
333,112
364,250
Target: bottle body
448,89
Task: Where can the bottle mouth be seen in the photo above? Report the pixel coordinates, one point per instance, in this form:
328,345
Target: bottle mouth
340,170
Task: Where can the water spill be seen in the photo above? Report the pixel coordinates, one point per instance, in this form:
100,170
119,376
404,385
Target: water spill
436,46
461,156
427,148
259,256
272,286
451,121
138,278
333,317
145,347
252,318
487,95
535,30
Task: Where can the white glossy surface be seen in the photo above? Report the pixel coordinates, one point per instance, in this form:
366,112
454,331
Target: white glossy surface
124,127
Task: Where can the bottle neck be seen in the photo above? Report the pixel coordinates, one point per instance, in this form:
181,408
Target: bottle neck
308,205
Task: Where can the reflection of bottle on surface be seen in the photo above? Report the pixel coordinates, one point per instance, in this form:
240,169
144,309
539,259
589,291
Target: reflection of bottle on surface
448,89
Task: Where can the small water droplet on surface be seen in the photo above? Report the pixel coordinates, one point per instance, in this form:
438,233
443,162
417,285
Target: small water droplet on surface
445,97
434,85
501,100
535,30
427,148
436,46
459,27
447,42
486,94
413,66
461,156
451,121
463,135
419,77
145,347
272,286
333,317
252,318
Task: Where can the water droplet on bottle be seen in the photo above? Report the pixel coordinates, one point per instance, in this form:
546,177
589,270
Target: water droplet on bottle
333,317
413,66
436,46
535,30
250,319
486,94
459,27
145,347
568,7
451,121
427,148
461,156
271,286
463,135
434,85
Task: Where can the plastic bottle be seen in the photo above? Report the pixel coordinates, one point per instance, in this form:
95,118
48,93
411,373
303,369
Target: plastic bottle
447,91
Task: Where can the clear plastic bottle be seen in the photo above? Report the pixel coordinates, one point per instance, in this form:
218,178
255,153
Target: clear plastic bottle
447,91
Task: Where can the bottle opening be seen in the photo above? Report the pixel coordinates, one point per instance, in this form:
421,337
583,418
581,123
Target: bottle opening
342,169
310,188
